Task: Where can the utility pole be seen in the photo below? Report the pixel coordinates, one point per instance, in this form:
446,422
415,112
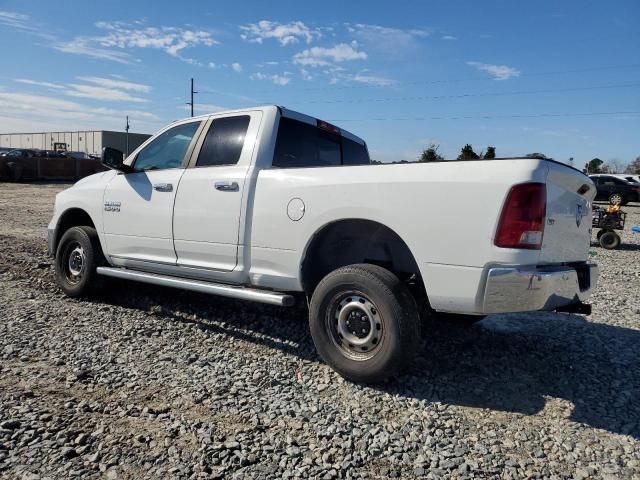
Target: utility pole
191,102
127,130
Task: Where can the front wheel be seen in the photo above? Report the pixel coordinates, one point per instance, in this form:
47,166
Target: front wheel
364,322
77,257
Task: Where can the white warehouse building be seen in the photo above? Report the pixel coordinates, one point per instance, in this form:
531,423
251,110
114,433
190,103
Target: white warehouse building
90,142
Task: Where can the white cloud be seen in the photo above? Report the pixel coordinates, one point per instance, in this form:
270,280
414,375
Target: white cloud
22,111
373,80
37,83
119,84
449,37
321,56
105,89
236,67
14,19
284,33
121,35
101,93
24,24
280,80
386,38
498,72
85,46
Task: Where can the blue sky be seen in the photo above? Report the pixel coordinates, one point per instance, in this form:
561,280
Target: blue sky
546,76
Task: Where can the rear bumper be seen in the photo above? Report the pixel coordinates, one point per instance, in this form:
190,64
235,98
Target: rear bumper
522,289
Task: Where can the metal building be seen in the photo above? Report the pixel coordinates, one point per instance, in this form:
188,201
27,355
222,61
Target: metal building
90,141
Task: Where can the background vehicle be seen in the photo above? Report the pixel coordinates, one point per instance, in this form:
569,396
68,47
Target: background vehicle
624,176
78,155
20,152
271,205
615,190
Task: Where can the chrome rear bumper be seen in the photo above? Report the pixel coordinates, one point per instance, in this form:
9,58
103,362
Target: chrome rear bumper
523,289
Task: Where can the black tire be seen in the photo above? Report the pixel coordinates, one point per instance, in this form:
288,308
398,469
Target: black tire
388,314
599,234
77,276
609,240
616,199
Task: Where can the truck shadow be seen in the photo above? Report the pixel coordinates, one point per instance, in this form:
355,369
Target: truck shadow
506,363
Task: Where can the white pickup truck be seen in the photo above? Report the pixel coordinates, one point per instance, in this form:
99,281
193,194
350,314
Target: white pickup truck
271,205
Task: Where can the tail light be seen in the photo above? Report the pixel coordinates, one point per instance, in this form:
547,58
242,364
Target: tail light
522,219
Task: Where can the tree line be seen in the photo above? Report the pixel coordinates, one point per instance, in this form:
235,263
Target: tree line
612,166
431,154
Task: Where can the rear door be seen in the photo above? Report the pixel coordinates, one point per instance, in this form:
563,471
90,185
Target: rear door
208,205
567,233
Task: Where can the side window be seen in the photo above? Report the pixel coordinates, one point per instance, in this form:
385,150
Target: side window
167,150
302,145
224,141
353,153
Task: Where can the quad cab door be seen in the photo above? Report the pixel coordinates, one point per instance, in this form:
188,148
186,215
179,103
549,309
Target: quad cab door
138,206
208,205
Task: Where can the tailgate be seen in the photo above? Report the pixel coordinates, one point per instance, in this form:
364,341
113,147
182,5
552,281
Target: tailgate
567,232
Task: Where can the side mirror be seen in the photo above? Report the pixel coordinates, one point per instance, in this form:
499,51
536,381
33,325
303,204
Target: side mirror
112,158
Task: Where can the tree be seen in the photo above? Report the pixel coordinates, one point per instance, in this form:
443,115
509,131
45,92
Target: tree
615,165
430,154
490,154
634,167
467,153
595,166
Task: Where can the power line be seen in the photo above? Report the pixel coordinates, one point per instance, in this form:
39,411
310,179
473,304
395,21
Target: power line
459,80
474,117
469,95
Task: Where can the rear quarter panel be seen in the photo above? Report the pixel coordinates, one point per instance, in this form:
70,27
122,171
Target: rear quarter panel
445,212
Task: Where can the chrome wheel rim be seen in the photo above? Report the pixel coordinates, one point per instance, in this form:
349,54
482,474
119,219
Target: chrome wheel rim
616,199
75,263
356,326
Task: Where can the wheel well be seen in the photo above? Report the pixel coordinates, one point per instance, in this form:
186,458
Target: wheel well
346,242
74,217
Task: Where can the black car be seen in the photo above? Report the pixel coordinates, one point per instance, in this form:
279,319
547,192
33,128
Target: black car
20,152
615,190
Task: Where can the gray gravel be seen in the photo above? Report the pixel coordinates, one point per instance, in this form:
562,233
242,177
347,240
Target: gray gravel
143,382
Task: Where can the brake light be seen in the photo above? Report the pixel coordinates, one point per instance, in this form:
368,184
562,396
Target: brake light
522,219
327,126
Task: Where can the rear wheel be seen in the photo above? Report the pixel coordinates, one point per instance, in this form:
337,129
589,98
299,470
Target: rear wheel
364,322
609,240
77,257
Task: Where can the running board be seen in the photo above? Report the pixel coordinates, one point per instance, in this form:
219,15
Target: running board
241,293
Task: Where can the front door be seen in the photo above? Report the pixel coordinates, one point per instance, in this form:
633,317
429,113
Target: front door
138,206
208,204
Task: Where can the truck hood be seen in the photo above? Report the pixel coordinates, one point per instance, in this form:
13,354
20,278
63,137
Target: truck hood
95,179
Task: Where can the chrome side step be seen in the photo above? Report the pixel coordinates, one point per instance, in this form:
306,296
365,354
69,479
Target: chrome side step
241,293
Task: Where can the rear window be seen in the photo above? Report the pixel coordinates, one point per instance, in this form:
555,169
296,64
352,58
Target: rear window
300,145
224,141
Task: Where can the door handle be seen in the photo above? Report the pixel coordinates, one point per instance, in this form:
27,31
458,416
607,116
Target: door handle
227,186
163,187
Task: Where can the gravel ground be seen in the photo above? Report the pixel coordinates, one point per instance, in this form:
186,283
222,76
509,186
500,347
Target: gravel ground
143,382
